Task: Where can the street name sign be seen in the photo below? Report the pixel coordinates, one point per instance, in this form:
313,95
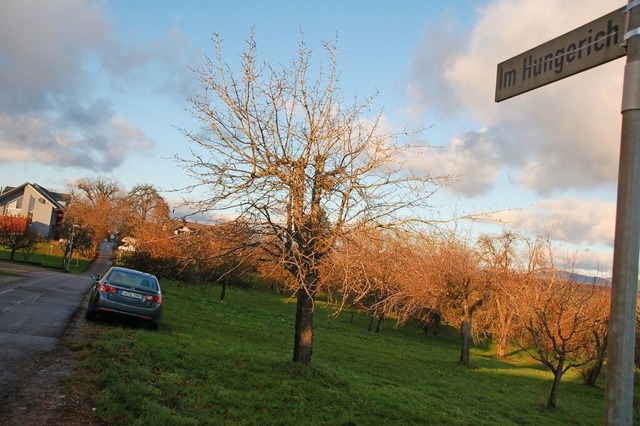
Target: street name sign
588,46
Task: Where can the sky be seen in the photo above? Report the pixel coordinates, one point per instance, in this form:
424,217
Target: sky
100,88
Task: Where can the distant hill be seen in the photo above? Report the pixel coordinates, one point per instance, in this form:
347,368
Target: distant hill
585,279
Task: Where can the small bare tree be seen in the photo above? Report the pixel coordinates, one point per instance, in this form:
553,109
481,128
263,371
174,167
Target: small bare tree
558,318
368,268
447,282
500,260
282,150
462,287
599,306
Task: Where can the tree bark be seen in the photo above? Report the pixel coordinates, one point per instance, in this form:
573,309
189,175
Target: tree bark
224,291
303,337
465,331
501,345
557,376
592,378
380,324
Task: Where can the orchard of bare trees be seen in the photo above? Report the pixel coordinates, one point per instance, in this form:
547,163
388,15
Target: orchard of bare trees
334,207
505,288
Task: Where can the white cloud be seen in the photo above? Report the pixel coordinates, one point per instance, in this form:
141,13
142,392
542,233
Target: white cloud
562,136
570,220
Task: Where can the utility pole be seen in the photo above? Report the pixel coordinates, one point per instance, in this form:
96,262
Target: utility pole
624,287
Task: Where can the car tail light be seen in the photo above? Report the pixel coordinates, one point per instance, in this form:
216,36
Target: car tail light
154,298
107,288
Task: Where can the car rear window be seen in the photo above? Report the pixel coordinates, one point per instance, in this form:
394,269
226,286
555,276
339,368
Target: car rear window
132,279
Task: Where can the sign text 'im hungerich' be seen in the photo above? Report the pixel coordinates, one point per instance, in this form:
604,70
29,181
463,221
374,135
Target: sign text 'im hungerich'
585,47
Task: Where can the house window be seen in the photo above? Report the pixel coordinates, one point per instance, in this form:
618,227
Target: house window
32,203
19,203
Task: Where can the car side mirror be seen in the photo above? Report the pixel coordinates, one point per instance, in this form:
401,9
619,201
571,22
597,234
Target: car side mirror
95,277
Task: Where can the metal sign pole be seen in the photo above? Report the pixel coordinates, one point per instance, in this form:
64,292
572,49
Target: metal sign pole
624,287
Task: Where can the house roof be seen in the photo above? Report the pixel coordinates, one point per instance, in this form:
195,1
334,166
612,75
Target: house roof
190,226
58,200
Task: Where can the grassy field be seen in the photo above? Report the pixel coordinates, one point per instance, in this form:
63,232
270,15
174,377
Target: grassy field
229,363
48,255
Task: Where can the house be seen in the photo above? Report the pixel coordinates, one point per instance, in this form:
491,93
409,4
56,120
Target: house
185,227
44,208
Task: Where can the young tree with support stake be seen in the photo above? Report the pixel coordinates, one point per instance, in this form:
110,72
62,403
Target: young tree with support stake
282,150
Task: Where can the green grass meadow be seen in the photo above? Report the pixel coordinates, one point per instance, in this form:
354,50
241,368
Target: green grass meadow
48,255
229,363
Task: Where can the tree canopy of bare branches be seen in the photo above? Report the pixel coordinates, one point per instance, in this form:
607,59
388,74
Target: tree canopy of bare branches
281,149
96,205
563,324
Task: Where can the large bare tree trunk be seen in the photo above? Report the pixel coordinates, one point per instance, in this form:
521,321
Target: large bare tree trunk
465,331
303,337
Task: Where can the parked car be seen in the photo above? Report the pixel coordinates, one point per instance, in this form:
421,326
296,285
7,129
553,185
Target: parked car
128,292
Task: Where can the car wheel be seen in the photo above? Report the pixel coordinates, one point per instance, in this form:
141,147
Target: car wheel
90,315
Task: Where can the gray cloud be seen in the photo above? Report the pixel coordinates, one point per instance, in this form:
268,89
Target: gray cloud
51,55
86,137
429,89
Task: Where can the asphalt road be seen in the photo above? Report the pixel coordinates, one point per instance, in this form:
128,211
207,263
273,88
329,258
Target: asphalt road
34,311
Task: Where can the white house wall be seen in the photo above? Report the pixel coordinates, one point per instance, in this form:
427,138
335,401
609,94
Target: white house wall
35,206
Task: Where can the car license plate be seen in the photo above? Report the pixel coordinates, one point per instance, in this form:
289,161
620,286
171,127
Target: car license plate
130,294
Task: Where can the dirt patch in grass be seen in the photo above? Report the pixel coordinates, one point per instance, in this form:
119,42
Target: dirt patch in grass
45,395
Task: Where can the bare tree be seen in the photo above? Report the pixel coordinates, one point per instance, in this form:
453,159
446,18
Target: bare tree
445,281
558,317
463,287
596,352
500,260
281,149
95,204
368,268
145,205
